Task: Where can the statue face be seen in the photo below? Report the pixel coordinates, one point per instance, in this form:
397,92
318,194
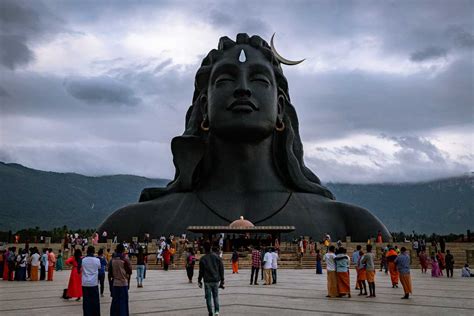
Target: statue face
242,96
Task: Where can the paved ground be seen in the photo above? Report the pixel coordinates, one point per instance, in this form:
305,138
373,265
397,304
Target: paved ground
298,292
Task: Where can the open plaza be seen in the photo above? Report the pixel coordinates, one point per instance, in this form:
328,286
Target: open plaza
298,292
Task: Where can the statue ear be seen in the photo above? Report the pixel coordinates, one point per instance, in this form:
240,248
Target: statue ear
203,105
281,106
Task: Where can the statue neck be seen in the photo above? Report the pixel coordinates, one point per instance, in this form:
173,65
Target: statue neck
240,167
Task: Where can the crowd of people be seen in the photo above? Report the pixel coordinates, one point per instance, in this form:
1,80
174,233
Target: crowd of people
338,266
89,269
29,264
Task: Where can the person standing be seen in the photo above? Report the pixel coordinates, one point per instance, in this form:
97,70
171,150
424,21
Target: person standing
211,270
166,258
267,267
355,261
22,259
342,270
51,264
190,262
235,261
435,271
103,264
44,264
256,263
379,237
392,267
361,275
423,261
403,267
369,262
274,265
59,261
449,261
90,286
119,274
319,266
141,260
35,264
441,261
331,272
74,288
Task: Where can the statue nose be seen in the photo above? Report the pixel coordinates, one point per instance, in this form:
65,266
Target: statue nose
242,90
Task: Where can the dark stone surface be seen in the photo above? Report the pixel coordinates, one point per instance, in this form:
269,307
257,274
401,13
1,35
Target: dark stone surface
245,163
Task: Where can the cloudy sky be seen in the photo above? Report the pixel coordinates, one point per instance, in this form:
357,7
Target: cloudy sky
101,87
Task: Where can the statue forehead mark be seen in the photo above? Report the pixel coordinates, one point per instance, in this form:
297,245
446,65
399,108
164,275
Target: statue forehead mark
242,56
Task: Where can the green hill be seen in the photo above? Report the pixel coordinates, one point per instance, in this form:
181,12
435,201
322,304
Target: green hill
440,206
30,198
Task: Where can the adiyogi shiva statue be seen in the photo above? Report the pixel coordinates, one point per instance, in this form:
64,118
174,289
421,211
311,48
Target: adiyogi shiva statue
241,155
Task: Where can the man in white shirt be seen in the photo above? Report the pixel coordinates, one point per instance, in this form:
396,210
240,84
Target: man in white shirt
90,285
267,267
274,265
35,264
331,272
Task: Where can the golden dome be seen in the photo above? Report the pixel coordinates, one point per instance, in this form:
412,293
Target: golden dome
241,222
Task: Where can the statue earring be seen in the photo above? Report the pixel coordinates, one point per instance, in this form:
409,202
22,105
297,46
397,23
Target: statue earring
205,124
280,126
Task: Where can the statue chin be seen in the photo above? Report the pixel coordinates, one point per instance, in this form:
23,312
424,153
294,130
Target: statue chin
243,132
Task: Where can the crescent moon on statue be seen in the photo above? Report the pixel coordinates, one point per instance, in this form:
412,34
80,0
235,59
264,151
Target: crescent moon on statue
280,58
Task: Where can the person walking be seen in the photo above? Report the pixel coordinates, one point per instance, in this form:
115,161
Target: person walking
342,271
74,288
103,264
274,265
267,267
90,286
235,261
392,267
403,267
211,270
331,272
256,263
190,263
449,261
369,262
119,274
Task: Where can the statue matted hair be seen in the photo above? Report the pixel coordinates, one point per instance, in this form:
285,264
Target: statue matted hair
287,149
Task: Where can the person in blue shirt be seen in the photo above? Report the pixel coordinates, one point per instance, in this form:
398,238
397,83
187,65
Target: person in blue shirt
103,264
403,266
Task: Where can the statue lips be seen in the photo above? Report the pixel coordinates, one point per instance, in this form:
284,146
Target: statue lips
242,105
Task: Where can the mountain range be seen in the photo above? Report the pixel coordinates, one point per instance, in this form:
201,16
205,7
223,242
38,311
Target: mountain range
30,198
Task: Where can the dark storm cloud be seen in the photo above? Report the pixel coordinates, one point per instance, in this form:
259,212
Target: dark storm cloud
3,92
101,90
331,105
21,23
428,53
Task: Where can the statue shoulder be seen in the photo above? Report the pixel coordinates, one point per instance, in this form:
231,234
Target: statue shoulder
142,213
359,220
